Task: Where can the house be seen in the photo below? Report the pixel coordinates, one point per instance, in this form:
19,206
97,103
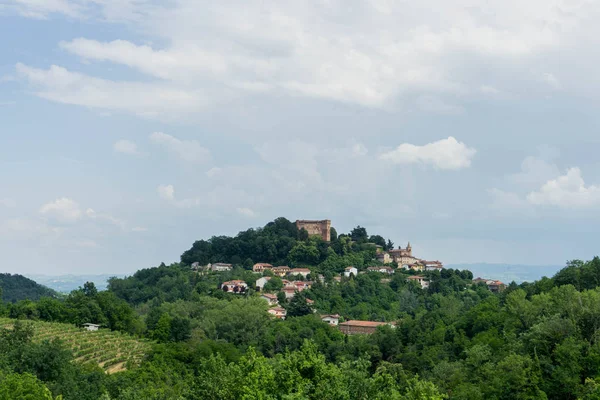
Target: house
421,280
337,279
299,271
331,319
270,298
310,302
302,285
289,291
384,258
415,266
349,271
383,270
261,267
281,271
278,312
91,327
493,285
261,282
432,265
353,327
235,286
221,267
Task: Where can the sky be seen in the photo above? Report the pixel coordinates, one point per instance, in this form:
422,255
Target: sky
131,128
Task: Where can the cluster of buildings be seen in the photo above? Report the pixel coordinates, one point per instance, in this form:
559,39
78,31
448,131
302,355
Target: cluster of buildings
493,285
280,271
405,260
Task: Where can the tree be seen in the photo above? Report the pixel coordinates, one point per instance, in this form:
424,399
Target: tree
298,306
23,387
378,240
89,289
359,234
389,246
333,235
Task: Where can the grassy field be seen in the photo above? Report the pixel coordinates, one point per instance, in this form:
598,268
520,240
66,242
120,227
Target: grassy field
110,350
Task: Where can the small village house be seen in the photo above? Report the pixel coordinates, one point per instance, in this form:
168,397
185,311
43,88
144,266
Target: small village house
432,265
299,271
235,286
261,267
91,327
421,280
278,312
383,270
270,298
331,319
281,271
350,271
221,267
493,285
261,282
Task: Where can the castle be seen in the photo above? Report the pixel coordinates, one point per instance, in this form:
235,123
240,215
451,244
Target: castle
319,228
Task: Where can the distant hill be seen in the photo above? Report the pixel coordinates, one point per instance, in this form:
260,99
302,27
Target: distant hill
17,287
509,272
67,283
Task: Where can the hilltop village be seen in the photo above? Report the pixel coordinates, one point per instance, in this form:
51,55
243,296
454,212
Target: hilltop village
282,283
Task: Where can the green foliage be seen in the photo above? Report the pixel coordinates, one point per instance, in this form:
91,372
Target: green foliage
23,387
16,287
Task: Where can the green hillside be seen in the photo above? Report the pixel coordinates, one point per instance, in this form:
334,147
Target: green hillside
111,350
16,287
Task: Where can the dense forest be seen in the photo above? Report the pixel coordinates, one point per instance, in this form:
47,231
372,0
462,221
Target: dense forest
16,287
454,340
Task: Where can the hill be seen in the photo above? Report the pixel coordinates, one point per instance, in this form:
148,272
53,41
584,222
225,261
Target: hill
67,283
17,287
111,350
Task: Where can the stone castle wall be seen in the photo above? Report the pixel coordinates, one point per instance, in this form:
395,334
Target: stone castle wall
320,228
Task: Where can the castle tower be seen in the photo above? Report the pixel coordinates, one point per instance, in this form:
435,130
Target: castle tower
318,228
409,249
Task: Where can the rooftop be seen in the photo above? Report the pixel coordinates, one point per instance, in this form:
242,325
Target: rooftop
363,323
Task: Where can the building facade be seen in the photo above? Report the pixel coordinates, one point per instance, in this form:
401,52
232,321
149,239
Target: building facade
316,228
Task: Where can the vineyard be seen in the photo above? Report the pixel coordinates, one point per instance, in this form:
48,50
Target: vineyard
112,351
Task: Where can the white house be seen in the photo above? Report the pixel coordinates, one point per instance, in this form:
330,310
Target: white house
349,271
331,319
91,327
221,267
261,282
383,270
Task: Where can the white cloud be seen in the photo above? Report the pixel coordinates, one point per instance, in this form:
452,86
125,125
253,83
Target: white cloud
166,192
568,191
125,147
153,99
369,54
186,150
62,209
41,9
246,212
442,154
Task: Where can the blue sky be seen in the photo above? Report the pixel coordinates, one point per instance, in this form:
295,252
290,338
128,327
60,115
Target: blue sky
131,128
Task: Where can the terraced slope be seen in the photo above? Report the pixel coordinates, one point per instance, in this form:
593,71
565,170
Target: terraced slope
110,350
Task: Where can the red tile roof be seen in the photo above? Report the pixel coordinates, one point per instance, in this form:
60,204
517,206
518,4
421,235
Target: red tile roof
363,323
